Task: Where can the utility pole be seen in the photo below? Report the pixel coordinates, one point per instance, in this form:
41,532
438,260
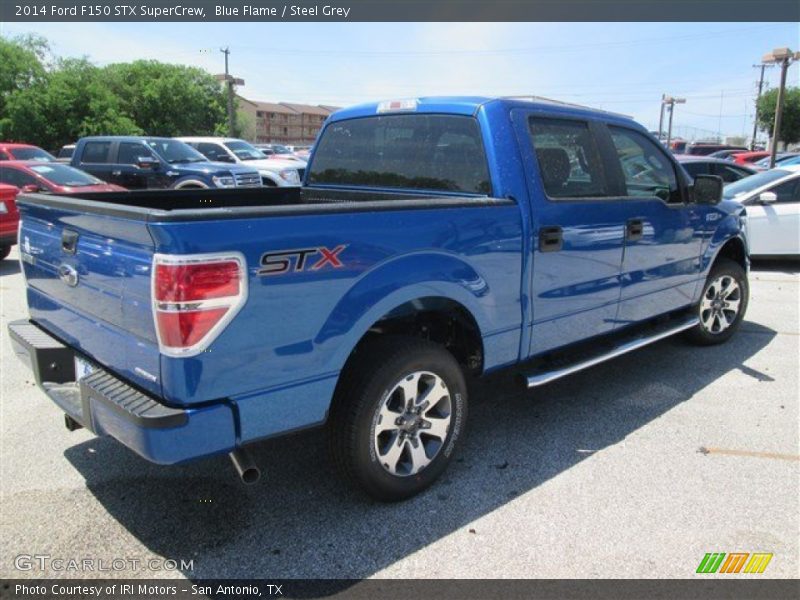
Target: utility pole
784,57
661,119
229,83
758,97
226,51
669,100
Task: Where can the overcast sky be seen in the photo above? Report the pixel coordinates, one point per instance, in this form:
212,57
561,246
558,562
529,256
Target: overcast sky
623,67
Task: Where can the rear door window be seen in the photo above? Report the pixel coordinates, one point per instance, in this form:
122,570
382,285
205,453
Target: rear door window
646,169
730,173
96,152
424,152
568,158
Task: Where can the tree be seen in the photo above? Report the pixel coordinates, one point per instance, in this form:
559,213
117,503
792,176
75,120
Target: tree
167,100
71,102
21,65
790,122
244,122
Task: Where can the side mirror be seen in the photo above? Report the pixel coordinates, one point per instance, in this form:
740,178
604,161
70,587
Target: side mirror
31,188
767,197
707,189
147,162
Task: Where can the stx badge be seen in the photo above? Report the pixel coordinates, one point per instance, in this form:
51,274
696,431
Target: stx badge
296,261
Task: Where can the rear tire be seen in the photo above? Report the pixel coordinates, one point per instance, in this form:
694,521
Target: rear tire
4,252
397,417
723,304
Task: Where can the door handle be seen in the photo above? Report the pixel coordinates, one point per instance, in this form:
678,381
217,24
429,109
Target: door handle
551,239
116,173
634,230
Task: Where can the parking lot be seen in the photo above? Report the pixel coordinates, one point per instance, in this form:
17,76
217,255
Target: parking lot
635,468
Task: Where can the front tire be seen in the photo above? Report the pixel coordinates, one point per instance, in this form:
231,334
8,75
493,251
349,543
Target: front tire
723,304
397,417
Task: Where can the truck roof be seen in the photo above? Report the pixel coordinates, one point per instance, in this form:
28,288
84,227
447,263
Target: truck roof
467,105
123,138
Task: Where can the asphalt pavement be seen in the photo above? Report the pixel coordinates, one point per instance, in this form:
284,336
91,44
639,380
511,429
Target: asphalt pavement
634,468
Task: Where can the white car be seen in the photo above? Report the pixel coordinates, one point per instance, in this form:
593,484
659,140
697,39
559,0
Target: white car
772,199
274,172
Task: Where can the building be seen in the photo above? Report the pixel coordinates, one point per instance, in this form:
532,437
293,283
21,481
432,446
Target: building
284,122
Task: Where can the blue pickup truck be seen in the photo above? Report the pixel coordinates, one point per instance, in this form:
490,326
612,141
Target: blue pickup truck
139,162
433,239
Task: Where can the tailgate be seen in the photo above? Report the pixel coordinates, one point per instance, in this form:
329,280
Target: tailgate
88,283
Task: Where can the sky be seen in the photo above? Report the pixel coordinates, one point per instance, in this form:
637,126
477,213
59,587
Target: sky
621,67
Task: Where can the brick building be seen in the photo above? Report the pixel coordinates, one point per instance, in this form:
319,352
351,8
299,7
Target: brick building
284,122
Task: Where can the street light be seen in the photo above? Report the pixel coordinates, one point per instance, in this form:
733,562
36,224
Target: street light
671,102
784,57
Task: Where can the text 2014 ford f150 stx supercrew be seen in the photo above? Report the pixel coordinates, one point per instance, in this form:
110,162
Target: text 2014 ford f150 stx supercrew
432,237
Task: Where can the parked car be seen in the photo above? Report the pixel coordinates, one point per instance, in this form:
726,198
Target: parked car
65,154
772,200
790,161
726,154
780,158
55,178
678,146
9,219
705,148
746,158
274,173
156,163
279,151
9,151
489,234
728,171
302,152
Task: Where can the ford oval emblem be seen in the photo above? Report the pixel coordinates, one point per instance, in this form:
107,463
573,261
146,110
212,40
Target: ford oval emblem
68,275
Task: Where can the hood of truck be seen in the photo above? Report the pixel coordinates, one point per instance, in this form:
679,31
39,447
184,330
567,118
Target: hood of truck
272,165
211,168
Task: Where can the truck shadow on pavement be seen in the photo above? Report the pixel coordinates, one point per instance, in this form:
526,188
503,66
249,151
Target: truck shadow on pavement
300,521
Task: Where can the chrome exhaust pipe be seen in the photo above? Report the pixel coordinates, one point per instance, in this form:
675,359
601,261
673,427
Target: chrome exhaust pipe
244,465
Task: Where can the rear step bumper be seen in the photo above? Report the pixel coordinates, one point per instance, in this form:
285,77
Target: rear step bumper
107,405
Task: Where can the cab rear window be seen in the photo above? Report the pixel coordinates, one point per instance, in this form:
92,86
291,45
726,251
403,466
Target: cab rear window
424,152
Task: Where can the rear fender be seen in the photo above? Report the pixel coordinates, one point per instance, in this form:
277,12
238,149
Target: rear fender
400,281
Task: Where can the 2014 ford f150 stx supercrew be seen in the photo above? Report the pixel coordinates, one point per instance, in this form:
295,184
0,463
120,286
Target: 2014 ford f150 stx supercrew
432,238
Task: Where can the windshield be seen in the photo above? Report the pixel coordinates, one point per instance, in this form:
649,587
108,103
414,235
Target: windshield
64,175
31,154
245,151
748,184
174,151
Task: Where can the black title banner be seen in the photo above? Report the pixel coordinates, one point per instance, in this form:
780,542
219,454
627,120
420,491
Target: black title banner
398,10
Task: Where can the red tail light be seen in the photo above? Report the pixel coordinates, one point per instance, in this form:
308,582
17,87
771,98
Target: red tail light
194,298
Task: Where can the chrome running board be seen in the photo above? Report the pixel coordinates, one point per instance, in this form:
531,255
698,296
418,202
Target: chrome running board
537,379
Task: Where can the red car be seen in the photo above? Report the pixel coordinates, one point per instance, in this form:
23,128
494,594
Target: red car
9,219
36,176
9,151
745,158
